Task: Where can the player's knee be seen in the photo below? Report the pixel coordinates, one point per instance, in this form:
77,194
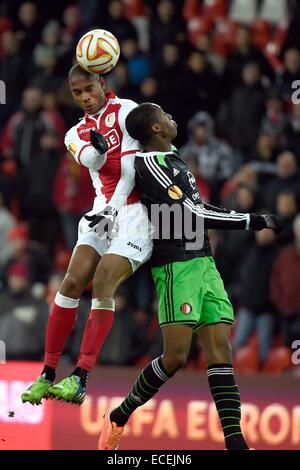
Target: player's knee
219,354
104,279
174,360
72,285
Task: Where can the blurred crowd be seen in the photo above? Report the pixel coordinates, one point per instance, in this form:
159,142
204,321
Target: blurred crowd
226,71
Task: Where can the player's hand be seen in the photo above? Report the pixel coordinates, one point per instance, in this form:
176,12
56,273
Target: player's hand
104,221
259,222
98,141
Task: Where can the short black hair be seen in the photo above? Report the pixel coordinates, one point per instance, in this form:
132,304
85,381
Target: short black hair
76,70
140,120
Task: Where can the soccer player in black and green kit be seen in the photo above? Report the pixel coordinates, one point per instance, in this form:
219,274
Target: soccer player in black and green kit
190,291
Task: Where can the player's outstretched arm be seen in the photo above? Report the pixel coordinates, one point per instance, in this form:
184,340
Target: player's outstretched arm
161,182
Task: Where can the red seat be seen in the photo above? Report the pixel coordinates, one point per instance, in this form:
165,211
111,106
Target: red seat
224,36
214,9
197,27
191,9
278,360
260,33
246,360
280,33
62,260
134,8
272,52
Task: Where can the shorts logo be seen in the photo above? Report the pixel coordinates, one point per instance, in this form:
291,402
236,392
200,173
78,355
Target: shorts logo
136,247
72,148
110,119
186,309
175,192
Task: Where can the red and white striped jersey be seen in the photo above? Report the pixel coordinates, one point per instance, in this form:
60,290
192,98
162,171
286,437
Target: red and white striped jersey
112,174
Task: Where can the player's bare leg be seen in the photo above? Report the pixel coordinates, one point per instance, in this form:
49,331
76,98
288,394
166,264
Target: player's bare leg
62,318
110,273
215,344
177,342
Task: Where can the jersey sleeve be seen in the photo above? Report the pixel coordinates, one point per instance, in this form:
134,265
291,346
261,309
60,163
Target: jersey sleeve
126,182
83,152
159,181
128,145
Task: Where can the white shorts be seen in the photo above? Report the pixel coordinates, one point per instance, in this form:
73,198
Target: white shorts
131,236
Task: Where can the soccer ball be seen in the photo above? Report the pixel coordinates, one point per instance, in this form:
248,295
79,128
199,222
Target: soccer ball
98,51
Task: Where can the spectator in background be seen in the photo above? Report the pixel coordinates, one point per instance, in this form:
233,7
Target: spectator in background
72,29
245,111
149,90
28,28
287,179
23,318
50,106
31,254
287,209
214,157
166,67
13,68
199,86
233,244
127,340
291,134
290,73
264,157
7,222
41,213
243,53
274,120
245,175
72,196
139,66
118,80
166,26
256,312
117,23
285,282
46,55
21,141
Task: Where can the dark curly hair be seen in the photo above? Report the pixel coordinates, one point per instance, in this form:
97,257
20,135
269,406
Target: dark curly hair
140,120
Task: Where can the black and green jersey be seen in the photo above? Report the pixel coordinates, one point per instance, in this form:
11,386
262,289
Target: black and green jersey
164,178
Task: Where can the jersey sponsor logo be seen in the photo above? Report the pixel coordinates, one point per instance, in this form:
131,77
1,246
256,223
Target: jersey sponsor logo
136,247
195,197
192,180
113,139
175,192
186,309
110,119
72,148
83,131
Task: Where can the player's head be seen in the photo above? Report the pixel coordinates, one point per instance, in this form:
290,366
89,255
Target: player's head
148,122
88,89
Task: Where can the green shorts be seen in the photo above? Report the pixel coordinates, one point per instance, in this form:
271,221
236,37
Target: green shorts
191,293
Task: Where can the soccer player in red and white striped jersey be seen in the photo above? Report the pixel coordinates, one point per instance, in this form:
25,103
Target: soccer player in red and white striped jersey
101,143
